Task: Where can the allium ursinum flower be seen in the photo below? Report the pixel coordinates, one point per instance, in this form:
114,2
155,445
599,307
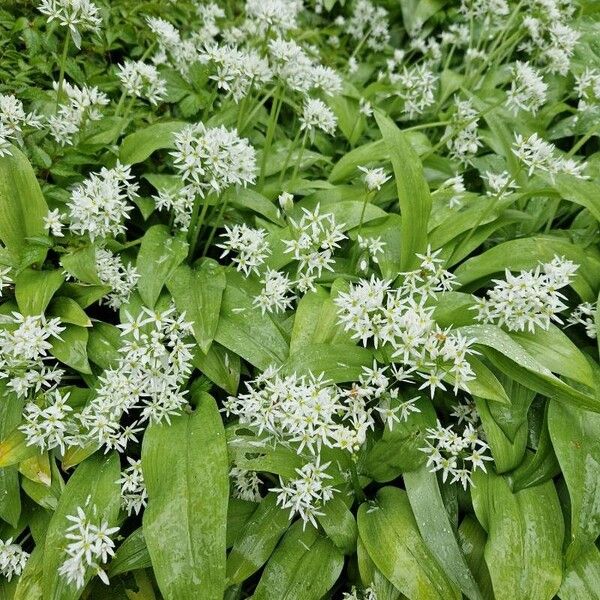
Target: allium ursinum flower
539,155
5,278
457,185
500,184
155,363
82,104
528,300
24,345
527,89
142,80
467,411
77,15
584,315
276,294
374,178
317,115
213,158
99,205
89,546
587,88
374,311
307,412
133,489
13,118
209,13
416,85
306,494
368,25
49,421
179,202
237,69
251,246
246,484
286,201
365,108
182,52
120,277
455,454
53,223
373,246
316,236
296,70
368,593
12,559
273,15
462,133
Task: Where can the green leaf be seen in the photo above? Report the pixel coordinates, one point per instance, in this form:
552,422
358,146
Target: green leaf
372,577
138,146
81,264
398,449
575,436
413,191
304,566
130,555
185,467
29,585
34,290
389,532
525,534
22,205
581,580
96,479
580,191
437,532
338,522
220,365
10,416
257,540
68,311
160,254
472,538
198,293
71,348
243,328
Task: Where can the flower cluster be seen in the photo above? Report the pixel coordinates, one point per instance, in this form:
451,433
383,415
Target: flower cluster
89,547
462,134
528,300
527,90
13,118
276,294
99,206
454,454
317,115
250,244
155,363
25,341
368,25
121,278
416,85
133,490
12,559
246,484
77,15
374,311
368,593
584,314
142,80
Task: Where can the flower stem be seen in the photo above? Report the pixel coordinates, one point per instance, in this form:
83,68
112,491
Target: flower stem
216,224
63,60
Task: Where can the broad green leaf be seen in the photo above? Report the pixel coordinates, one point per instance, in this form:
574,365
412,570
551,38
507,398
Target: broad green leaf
436,530
132,554
372,577
239,512
220,365
81,264
22,205
337,362
198,292
96,479
185,468
104,341
581,580
34,290
10,416
575,436
304,566
413,191
68,311
160,254
138,146
472,538
71,348
338,522
580,191
257,540
525,535
398,449
389,532
29,585
14,448
243,328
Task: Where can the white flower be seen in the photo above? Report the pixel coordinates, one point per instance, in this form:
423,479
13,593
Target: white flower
133,489
12,559
273,15
374,178
317,115
369,25
286,201
213,158
275,295
500,184
463,137
245,484
77,15
53,223
528,300
120,277
584,315
142,80
416,85
89,546
5,279
251,245
528,89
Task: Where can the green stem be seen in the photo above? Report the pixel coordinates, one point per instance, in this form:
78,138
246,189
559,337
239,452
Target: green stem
216,224
196,221
63,60
286,163
366,201
270,135
360,495
300,154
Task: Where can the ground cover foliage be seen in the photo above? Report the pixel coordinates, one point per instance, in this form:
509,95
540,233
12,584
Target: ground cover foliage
299,299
